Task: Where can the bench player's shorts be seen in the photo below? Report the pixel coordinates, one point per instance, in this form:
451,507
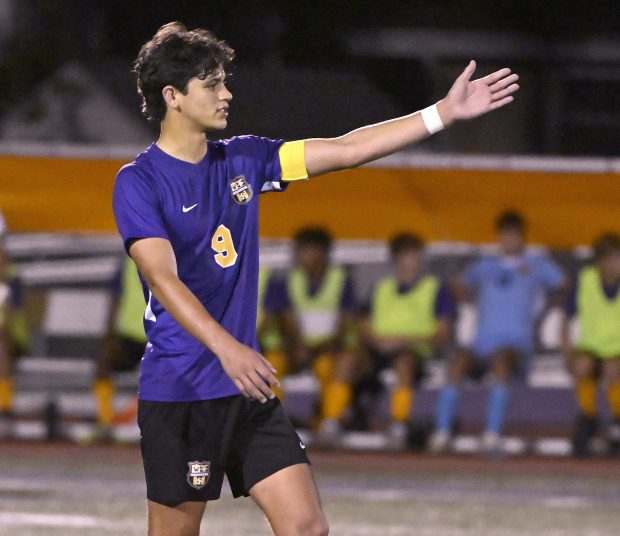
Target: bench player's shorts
188,447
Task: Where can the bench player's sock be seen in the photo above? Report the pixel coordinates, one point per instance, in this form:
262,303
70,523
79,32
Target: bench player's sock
6,395
613,395
336,398
446,405
401,403
585,390
323,369
103,390
279,362
496,408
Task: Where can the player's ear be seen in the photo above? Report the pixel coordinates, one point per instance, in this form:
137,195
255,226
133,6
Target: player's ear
170,95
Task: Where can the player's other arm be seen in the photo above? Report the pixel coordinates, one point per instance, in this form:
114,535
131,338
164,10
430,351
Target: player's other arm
465,100
248,370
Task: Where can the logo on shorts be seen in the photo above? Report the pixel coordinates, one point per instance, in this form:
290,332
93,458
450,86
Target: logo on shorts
198,474
241,190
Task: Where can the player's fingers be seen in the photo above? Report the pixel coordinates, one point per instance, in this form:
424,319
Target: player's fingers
502,102
504,93
253,390
469,71
239,385
263,387
504,82
268,375
268,364
497,75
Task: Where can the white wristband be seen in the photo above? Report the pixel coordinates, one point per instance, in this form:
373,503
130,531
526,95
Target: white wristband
432,120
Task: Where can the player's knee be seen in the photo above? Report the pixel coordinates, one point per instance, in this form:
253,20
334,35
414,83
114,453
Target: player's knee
312,526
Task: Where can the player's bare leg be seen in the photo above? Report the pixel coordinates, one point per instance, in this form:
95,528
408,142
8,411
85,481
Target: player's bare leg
460,364
290,500
405,365
584,370
503,364
181,520
611,376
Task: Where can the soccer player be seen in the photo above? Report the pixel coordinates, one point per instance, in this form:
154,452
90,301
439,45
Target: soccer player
595,302
408,319
187,209
317,301
507,289
122,347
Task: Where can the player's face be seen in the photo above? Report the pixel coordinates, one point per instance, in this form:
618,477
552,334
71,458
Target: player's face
408,264
206,101
610,265
311,258
511,241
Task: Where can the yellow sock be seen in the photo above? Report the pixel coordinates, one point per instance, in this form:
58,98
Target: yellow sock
103,389
323,369
335,400
279,362
586,396
401,403
613,395
6,394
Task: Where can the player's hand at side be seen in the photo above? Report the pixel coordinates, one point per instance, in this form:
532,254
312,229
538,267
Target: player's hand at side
250,371
468,99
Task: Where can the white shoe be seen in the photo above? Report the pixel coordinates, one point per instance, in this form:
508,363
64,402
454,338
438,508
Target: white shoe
491,444
330,433
397,436
439,442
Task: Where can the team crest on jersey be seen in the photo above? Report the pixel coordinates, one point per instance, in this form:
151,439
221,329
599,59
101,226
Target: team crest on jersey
198,474
241,190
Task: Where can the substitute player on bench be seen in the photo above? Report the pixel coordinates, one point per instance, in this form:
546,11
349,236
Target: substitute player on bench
187,209
595,302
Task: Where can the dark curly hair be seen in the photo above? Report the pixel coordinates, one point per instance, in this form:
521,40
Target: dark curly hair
405,242
313,236
605,245
173,57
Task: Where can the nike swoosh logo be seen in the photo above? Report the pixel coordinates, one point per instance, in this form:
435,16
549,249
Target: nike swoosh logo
187,209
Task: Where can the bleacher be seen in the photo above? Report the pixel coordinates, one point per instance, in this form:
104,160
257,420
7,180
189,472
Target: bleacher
67,277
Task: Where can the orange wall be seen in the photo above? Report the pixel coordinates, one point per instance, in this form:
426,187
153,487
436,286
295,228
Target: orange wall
55,194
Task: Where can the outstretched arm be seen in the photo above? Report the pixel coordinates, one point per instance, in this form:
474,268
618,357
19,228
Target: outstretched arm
465,100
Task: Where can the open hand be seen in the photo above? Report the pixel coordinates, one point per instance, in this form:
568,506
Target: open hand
251,372
467,99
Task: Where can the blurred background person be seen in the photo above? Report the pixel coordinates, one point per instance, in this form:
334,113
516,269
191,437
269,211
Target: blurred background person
14,338
408,319
507,289
317,304
121,350
594,301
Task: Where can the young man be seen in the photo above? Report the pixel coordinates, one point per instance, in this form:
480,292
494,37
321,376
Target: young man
187,209
317,301
595,302
122,347
409,318
507,289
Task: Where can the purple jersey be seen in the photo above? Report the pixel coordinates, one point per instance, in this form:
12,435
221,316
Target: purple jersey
209,213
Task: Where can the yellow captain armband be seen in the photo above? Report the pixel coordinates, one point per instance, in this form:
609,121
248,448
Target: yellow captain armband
293,161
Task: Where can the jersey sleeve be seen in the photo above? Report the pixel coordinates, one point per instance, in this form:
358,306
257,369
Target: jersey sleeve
137,207
473,275
570,306
550,275
276,296
347,301
445,303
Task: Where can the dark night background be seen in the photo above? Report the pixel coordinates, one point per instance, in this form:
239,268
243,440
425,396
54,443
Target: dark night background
308,68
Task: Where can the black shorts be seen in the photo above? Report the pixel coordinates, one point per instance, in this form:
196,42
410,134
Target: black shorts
188,447
383,360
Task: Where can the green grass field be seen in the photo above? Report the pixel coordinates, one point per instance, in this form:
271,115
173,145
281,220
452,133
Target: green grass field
69,491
